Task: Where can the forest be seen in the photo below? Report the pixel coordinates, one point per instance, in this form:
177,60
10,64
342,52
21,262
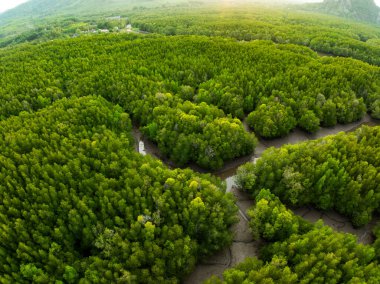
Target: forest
209,83
321,33
208,87
292,256
340,172
79,205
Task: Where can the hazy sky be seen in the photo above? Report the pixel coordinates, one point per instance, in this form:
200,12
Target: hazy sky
8,4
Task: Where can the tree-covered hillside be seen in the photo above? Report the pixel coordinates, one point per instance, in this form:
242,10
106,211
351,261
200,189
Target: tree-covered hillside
47,8
360,10
322,33
247,22
39,9
39,15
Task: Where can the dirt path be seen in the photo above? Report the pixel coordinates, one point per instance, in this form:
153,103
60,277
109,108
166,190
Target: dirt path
296,136
339,223
243,244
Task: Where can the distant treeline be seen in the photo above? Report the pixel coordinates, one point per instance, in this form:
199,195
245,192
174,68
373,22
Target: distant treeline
322,33
340,172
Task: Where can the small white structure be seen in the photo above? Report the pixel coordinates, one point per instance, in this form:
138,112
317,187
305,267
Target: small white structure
114,18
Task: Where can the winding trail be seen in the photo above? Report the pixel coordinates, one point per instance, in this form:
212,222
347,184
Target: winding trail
243,244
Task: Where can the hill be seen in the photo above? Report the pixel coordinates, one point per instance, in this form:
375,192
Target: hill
48,8
360,10
36,13
323,33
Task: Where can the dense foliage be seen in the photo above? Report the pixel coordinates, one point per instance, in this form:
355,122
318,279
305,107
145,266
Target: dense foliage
79,205
199,133
320,32
137,74
301,252
272,120
150,76
271,220
340,172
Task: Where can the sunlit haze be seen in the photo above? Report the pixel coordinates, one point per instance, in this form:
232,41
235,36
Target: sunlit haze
304,1
9,4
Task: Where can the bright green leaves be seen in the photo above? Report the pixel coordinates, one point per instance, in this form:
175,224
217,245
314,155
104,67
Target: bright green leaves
271,220
81,206
272,120
70,275
200,134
